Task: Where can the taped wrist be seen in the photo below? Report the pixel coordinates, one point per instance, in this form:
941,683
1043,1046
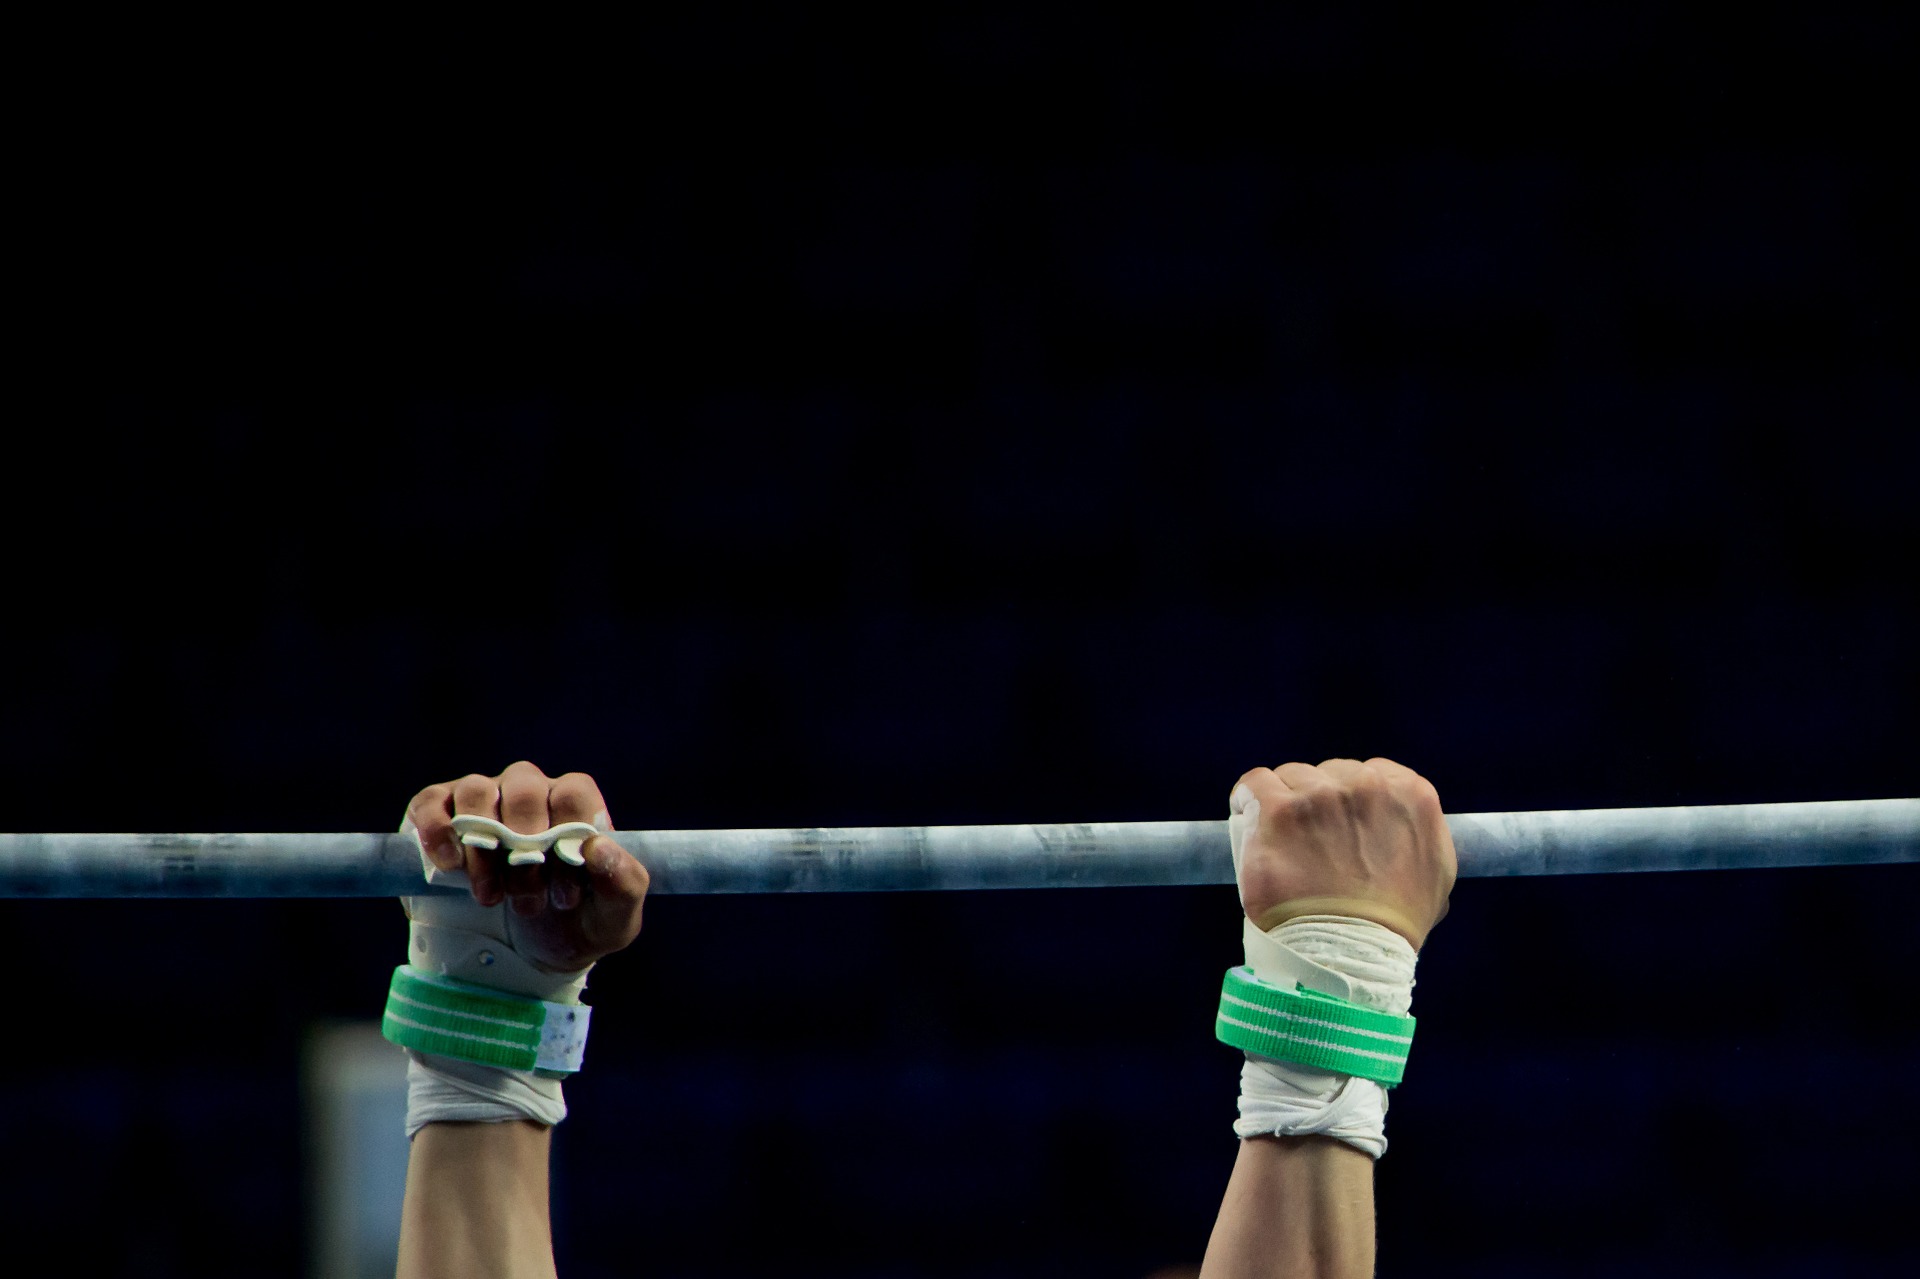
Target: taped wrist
1327,992
445,1090
1320,1009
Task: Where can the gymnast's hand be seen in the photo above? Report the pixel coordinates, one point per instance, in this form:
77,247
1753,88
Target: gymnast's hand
1344,838
565,917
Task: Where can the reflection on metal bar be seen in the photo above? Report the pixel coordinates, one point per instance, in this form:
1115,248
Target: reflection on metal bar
923,858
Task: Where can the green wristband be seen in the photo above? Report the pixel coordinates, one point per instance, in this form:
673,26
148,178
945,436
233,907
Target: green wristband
434,1014
1307,1028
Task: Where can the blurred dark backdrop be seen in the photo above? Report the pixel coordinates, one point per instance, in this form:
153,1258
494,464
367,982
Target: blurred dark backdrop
963,418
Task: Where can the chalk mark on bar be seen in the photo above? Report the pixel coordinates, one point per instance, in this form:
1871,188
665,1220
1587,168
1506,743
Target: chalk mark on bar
944,858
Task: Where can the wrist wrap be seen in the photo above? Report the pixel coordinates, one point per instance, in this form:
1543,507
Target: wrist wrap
1312,1029
1344,1011
433,1014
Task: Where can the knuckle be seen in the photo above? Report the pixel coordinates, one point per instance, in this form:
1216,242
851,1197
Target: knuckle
1360,794
473,787
1367,783
520,788
574,786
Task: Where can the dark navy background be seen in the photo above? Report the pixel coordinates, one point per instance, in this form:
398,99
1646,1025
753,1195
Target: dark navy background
958,418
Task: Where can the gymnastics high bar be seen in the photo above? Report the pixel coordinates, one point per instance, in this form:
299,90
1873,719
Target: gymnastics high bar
928,858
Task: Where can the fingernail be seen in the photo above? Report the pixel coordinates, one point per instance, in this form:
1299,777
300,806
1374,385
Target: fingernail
445,856
1241,797
603,855
563,895
526,904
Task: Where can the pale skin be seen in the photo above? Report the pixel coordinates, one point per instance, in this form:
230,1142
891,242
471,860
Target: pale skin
476,1200
1344,837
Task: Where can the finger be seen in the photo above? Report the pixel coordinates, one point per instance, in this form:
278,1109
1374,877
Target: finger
1404,781
526,889
617,888
1396,771
431,812
1302,779
611,869
1423,798
523,798
575,797
1256,786
1343,771
523,809
1357,782
566,886
479,796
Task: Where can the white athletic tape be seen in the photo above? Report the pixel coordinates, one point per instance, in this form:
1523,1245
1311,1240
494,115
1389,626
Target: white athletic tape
1349,958
442,1090
1352,959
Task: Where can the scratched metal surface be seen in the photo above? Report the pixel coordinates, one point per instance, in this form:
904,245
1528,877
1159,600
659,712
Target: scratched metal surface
928,858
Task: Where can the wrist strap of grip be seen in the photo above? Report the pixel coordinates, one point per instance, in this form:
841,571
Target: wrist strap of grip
433,1014
1308,1028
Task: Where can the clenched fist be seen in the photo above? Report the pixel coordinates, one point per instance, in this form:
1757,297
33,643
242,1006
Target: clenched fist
563,917
1344,838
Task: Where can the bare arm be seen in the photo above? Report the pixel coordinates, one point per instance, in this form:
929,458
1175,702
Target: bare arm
476,1205
1298,1207
476,1198
1361,842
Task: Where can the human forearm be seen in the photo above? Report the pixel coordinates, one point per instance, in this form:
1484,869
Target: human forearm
488,1007
1295,1208
476,1204
1343,870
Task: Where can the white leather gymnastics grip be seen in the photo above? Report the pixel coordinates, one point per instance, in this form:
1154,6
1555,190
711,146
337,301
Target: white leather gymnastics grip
565,840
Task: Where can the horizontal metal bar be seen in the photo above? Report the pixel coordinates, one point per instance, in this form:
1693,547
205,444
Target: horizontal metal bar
920,858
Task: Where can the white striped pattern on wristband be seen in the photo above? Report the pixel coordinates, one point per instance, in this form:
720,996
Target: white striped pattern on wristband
1312,1029
448,1018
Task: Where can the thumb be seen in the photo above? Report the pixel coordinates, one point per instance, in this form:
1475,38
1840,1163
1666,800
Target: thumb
613,871
617,891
